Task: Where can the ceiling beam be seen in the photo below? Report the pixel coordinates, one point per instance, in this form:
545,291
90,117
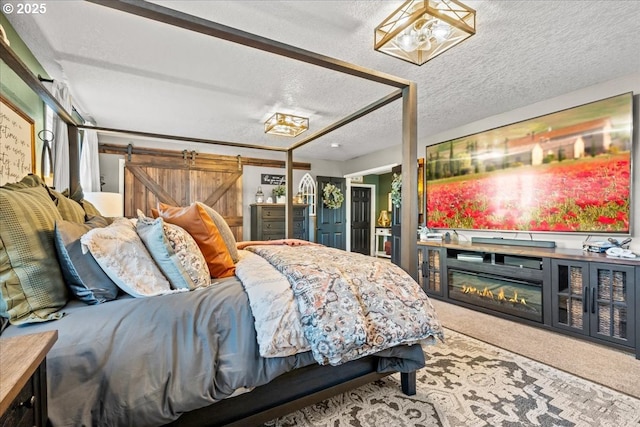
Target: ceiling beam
183,138
397,94
193,23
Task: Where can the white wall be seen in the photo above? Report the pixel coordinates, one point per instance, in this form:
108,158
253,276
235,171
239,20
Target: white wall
630,83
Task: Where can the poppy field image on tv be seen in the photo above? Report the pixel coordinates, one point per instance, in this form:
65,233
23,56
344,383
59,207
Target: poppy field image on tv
569,171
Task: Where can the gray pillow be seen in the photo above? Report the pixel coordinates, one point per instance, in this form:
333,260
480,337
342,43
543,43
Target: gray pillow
85,278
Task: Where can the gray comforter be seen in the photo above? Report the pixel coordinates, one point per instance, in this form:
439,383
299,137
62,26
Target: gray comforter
143,362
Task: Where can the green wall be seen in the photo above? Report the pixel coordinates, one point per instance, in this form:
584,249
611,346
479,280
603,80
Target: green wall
15,90
383,188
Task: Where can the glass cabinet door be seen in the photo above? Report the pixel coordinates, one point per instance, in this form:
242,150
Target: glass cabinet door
570,295
429,270
611,303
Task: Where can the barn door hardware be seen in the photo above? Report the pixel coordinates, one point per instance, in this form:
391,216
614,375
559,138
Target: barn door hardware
239,162
129,151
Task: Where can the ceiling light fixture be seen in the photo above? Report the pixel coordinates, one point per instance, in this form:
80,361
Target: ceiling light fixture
286,125
422,29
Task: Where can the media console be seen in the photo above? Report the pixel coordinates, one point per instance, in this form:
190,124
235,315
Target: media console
583,294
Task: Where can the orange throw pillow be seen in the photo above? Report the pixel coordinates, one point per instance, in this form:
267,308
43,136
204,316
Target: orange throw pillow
199,224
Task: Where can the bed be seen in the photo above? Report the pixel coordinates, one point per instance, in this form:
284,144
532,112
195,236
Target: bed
171,359
291,323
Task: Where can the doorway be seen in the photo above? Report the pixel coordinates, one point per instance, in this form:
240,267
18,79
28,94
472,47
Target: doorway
361,220
331,223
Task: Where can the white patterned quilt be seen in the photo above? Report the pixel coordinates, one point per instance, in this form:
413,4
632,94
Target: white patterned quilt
345,305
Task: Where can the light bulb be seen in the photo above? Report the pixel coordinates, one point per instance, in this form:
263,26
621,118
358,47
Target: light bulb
441,31
423,36
407,41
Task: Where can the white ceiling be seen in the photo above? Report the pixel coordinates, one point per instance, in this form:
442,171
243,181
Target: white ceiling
127,72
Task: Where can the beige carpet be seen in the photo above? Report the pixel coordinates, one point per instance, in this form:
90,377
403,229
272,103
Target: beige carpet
603,365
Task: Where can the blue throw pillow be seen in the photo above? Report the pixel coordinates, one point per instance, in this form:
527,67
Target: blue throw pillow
81,272
151,232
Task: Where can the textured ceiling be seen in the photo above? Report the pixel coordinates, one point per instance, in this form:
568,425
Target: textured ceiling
130,73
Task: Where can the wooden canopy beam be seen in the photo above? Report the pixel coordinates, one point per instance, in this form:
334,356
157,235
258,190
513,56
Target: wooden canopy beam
409,194
193,23
350,118
31,80
408,257
183,138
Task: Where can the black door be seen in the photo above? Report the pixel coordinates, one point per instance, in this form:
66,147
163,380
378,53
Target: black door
395,226
330,223
361,220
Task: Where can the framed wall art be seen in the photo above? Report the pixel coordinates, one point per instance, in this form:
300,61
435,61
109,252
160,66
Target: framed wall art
17,143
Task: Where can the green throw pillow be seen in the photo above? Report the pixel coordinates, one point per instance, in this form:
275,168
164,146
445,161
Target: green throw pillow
31,283
89,209
68,208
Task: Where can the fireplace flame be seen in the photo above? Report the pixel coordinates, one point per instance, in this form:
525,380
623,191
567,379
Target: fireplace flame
486,293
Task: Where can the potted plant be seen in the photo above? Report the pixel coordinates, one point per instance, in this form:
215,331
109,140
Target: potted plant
279,193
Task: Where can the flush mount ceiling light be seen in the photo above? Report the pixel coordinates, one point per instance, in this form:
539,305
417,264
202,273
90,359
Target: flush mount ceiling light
422,29
286,125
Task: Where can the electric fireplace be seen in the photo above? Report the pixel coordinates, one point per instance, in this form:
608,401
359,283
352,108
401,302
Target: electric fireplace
514,297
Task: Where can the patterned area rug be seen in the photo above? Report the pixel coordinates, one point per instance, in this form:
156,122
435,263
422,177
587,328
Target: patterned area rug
470,383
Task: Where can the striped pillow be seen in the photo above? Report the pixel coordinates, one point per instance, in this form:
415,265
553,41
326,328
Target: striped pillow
33,289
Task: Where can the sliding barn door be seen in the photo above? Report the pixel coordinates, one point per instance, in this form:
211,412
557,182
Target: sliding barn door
179,179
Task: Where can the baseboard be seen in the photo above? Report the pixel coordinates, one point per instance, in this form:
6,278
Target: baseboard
514,242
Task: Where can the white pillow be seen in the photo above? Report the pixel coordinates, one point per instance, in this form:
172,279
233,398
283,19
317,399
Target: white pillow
121,254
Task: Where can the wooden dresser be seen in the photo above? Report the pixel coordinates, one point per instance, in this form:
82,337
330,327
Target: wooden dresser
267,221
23,379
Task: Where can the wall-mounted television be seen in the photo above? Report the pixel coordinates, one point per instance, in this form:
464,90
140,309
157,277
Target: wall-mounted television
568,171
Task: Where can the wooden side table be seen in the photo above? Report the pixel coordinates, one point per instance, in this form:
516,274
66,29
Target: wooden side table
23,379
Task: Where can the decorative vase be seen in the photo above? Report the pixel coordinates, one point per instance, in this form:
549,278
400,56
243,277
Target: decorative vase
281,199
383,219
424,233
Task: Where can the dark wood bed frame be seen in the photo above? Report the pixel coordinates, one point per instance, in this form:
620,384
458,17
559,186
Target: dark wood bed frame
311,384
290,392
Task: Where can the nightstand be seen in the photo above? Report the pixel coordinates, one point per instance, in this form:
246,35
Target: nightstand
23,379
383,234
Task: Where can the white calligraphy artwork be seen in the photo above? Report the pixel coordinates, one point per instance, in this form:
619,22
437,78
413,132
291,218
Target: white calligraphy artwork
16,143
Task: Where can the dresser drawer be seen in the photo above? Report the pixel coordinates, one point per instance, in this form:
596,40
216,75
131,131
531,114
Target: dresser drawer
273,235
22,412
279,212
268,225
383,231
272,212
299,213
